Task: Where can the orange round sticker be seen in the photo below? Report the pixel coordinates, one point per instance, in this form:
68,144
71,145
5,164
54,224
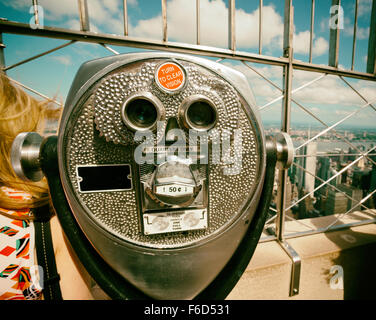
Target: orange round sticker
170,76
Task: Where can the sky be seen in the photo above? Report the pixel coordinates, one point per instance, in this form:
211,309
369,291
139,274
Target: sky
329,98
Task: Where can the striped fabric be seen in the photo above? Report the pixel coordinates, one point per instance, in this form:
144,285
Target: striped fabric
18,271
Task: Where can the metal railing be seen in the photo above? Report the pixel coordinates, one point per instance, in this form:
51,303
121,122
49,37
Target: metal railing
277,222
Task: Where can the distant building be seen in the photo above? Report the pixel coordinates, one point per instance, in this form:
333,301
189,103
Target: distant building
355,194
361,178
310,166
323,172
361,163
338,202
306,207
302,176
335,203
351,155
306,158
335,181
343,176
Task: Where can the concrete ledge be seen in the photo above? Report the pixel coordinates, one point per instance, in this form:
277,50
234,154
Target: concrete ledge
335,265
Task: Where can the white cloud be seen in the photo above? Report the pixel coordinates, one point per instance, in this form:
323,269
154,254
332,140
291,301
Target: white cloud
263,91
113,6
330,90
18,4
150,28
104,15
65,59
322,97
86,49
324,25
302,42
73,24
342,112
55,10
368,91
348,30
320,46
361,33
181,19
273,73
133,3
364,7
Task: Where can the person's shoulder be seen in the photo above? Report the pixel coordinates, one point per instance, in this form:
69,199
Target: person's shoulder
74,281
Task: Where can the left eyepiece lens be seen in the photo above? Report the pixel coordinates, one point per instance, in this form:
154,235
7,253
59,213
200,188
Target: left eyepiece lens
141,112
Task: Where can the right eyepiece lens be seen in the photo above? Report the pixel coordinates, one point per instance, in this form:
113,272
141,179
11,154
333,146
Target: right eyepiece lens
202,115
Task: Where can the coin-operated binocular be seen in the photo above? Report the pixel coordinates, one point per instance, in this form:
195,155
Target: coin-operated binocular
161,175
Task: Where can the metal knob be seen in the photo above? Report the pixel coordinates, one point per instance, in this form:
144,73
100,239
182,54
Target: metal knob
25,154
285,150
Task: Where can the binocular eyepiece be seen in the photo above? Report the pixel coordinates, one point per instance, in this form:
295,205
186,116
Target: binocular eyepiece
142,111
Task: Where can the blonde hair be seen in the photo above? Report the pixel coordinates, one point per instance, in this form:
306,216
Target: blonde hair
20,112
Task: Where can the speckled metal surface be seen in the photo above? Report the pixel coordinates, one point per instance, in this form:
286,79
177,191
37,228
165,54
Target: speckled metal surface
97,135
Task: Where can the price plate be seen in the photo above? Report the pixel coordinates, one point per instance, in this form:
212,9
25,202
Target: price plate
174,190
